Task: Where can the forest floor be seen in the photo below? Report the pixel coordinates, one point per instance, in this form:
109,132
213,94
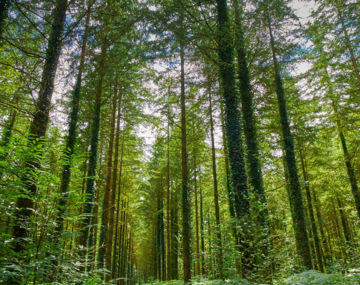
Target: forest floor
304,278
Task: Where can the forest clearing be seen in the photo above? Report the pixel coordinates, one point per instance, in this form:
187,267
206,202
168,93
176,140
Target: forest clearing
180,142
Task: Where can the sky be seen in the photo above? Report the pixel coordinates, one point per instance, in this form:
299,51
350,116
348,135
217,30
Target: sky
302,8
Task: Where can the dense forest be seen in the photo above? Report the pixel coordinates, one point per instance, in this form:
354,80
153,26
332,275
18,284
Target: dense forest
179,142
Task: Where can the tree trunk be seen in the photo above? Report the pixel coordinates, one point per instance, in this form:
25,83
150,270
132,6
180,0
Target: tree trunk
321,228
209,259
7,132
174,237
226,162
106,202
112,223
216,193
90,180
349,167
168,245
197,240
246,96
311,214
202,230
186,208
118,210
4,6
345,227
233,132
24,205
71,138
301,237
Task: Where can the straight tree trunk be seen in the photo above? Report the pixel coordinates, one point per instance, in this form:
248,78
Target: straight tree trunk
174,237
197,240
226,161
209,259
110,236
311,214
71,137
118,211
186,208
121,241
107,193
90,180
301,237
202,230
324,243
246,96
349,166
168,245
233,132
216,193
344,226
160,234
124,242
38,127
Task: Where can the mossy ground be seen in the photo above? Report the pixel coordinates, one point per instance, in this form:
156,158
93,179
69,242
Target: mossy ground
305,278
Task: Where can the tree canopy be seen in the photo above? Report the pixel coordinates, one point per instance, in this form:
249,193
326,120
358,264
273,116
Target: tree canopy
182,142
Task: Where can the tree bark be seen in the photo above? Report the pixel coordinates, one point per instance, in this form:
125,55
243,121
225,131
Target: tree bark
4,6
246,96
327,249
216,193
311,215
110,236
38,127
226,162
71,138
174,237
197,240
186,208
233,132
344,226
7,133
90,180
168,245
301,237
202,229
349,166
107,193
118,211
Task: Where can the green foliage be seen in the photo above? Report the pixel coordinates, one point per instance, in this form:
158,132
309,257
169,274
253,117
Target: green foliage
312,277
236,281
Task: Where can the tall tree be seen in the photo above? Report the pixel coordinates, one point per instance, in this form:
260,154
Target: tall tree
90,180
112,224
301,237
197,240
246,96
311,213
73,121
216,191
168,188
186,217
233,129
38,127
107,192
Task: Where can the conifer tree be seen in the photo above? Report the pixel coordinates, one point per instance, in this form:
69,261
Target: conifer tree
295,196
39,124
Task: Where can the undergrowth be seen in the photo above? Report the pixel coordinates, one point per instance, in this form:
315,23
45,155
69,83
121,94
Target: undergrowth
310,277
